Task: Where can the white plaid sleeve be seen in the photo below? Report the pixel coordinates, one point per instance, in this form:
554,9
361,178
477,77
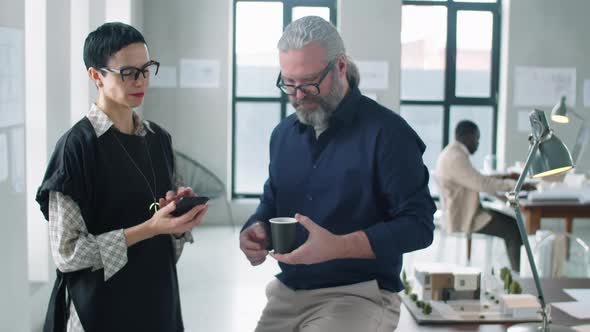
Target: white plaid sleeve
179,243
73,248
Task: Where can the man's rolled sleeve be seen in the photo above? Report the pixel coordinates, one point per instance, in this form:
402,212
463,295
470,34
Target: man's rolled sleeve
403,184
402,234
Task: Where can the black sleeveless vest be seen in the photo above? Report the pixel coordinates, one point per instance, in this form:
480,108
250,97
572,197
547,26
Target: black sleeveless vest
112,194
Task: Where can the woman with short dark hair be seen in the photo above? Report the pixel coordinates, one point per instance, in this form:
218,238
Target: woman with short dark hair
115,251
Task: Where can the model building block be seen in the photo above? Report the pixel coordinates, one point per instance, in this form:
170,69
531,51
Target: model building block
444,282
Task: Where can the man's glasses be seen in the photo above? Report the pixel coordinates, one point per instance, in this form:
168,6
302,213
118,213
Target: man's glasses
312,89
150,68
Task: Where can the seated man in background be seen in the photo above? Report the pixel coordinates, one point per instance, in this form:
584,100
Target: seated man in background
460,184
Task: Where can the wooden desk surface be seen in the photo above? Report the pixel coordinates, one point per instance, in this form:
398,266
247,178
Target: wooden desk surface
534,211
528,203
553,289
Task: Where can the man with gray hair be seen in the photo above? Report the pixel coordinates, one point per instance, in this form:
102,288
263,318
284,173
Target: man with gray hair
351,173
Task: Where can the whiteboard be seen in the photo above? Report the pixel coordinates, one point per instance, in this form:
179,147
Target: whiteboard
544,86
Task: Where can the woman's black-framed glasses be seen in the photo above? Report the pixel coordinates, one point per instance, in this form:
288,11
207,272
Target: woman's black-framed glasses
150,68
312,89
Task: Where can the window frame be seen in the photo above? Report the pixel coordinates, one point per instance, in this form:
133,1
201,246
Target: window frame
288,6
450,97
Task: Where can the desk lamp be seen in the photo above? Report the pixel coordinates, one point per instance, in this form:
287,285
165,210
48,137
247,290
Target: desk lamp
559,114
560,111
547,156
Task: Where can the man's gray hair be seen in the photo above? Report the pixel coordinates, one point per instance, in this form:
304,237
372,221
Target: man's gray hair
310,29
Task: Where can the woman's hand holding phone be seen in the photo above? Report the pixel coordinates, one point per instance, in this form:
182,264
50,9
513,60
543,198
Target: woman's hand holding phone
171,196
181,211
164,222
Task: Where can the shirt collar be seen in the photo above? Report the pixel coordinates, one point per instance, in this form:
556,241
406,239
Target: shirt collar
462,147
101,122
345,111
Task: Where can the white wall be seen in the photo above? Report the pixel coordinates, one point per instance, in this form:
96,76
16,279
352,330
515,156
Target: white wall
56,121
200,119
68,94
371,32
543,33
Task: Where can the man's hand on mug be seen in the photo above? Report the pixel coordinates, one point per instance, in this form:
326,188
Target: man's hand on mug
253,241
321,245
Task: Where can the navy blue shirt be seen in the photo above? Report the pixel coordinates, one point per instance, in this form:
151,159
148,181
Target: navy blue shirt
365,172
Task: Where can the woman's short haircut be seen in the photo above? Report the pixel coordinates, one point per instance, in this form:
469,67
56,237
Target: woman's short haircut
107,40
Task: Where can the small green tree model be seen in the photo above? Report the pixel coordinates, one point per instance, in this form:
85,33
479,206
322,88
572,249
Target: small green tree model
413,297
515,288
507,282
406,283
407,289
427,309
504,272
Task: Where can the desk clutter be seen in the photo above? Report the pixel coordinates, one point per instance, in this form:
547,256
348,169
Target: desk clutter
446,293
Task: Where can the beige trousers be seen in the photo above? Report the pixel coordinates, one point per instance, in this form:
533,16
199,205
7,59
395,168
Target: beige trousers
361,307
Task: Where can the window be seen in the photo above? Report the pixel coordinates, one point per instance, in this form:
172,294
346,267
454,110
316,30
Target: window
449,71
258,106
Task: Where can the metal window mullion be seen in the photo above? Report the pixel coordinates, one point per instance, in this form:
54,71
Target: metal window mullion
233,113
425,3
446,123
472,101
450,70
423,102
495,71
258,99
474,6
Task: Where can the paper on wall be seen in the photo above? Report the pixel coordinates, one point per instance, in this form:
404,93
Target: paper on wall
544,86
374,75
16,155
12,72
199,73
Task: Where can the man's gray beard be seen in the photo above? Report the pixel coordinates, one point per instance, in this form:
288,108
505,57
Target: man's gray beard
319,117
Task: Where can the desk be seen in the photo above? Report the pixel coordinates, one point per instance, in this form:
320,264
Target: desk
534,211
553,289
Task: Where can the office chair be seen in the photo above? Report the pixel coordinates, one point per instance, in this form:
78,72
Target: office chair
191,173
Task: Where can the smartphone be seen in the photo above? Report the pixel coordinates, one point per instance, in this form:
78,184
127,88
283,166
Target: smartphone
185,204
